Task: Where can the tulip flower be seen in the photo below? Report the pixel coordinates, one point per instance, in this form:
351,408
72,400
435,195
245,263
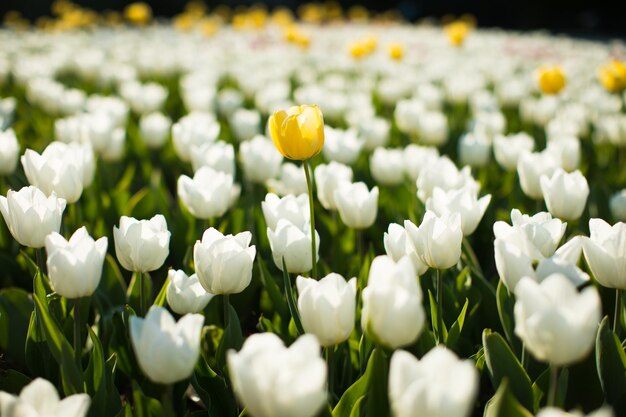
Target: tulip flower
508,149
416,158
375,132
438,239
396,51
327,307
271,380
291,180
551,80
392,312
229,100
457,31
259,159
386,166
292,208
298,132
605,252
224,263
565,194
530,168
166,350
30,215
142,245
557,412
208,194
398,244
342,146
218,155
245,124
40,398
438,385
567,151
193,129
444,174
75,265
556,323
327,179
185,294
356,204
463,201
293,243
432,128
612,76
9,152
154,129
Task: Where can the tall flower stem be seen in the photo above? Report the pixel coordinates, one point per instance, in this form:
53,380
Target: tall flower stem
554,377
142,296
330,350
77,339
309,184
226,310
41,260
439,308
618,312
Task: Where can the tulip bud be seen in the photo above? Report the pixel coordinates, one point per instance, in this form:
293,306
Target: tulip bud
30,215
565,194
444,174
245,124
556,323
40,398
167,351
438,240
398,244
375,132
357,206
259,159
298,132
154,129
530,168
551,80
229,100
392,303
208,194
218,155
617,204
327,307
224,263
327,179
386,166
438,385
416,158
193,129
185,294
9,152
289,207
297,375
75,266
342,146
142,245
567,151
292,180
292,243
605,252
463,201
432,128
612,76
508,149
474,150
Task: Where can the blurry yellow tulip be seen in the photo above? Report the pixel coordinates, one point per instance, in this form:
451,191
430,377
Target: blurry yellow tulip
551,79
396,51
138,13
298,132
613,76
457,32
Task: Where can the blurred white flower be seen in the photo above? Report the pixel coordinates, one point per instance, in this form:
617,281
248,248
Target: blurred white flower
617,204
474,150
416,158
185,294
530,168
398,244
342,146
208,194
328,177
464,201
565,194
444,174
39,399
218,155
9,151
386,166
193,129
356,204
508,149
605,252
259,159
245,124
290,207
291,180
293,244
154,129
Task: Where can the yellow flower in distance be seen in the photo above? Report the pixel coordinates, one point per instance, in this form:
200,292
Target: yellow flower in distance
551,79
457,32
396,51
138,13
613,76
298,132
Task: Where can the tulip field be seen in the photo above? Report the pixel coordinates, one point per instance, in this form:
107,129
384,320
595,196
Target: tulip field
326,212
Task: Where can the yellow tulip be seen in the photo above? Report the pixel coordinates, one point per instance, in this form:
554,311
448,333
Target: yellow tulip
613,76
457,32
138,13
396,51
298,132
551,79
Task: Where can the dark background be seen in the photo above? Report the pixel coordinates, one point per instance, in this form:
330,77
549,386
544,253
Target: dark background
588,18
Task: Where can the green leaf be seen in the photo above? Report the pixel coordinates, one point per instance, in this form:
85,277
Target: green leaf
16,307
291,302
506,304
61,350
433,318
353,396
145,406
502,363
12,381
213,391
611,364
377,399
134,291
504,404
273,290
231,339
161,297
457,327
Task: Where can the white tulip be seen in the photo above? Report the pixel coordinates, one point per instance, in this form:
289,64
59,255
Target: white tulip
605,252
291,180
40,399
185,294
565,194
260,160
193,129
9,152
557,412
375,132
386,166
433,128
356,204
445,175
508,149
327,179
617,204
567,150
530,168
398,244
292,208
292,243
245,124
438,239
464,201
218,155
142,245
416,158
343,146
208,194
154,129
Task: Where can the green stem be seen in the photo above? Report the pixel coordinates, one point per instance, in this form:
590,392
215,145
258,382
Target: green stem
524,356
309,184
439,308
41,260
554,377
168,401
330,350
618,311
142,296
226,310
78,350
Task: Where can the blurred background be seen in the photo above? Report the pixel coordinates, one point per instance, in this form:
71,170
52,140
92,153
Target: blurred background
592,19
